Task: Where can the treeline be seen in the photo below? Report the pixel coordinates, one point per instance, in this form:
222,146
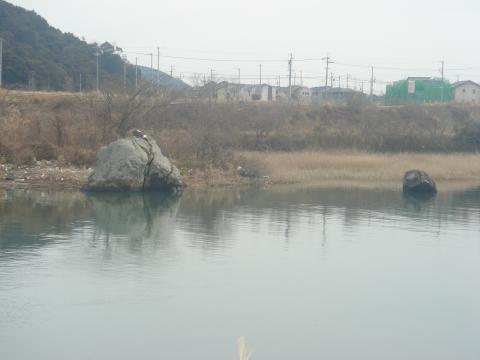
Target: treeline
37,56
72,127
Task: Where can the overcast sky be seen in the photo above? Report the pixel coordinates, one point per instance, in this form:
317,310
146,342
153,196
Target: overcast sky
403,34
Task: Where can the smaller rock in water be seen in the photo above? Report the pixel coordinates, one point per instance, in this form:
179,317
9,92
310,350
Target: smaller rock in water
418,181
10,177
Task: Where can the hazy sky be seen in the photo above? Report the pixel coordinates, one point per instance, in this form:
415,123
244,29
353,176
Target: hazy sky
403,34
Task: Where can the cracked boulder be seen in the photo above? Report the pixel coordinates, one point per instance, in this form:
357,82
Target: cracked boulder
133,164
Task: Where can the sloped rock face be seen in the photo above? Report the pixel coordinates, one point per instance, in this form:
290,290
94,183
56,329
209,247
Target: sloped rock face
418,181
133,164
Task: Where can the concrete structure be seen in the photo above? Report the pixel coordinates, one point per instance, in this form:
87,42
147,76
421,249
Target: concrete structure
466,92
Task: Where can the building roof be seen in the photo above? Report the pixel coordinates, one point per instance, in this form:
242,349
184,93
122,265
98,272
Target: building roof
460,83
335,90
419,78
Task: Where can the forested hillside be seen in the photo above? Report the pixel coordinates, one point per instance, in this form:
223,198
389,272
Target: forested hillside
37,56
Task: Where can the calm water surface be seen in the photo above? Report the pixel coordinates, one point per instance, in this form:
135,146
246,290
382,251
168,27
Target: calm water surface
302,274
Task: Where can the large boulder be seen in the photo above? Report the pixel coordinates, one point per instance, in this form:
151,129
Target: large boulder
418,181
133,164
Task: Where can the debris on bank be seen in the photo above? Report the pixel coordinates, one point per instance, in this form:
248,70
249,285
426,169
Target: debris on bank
43,175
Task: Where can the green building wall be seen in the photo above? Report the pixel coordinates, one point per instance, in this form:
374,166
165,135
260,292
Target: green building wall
426,91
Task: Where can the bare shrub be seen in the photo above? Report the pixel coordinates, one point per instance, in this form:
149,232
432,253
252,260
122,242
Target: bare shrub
196,134
250,167
45,151
467,136
24,155
79,157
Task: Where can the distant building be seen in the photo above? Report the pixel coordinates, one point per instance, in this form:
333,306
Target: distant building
419,90
300,94
229,92
337,95
263,92
466,92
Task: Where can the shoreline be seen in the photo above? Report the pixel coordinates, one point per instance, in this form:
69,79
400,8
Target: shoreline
342,169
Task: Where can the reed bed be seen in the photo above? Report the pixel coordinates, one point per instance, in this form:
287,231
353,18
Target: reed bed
319,167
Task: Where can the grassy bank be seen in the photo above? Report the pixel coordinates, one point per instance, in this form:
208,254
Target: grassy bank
365,169
305,168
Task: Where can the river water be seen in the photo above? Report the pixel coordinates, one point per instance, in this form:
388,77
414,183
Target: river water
302,274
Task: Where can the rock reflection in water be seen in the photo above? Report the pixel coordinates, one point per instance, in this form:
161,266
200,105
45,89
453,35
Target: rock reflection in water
137,216
416,201
135,223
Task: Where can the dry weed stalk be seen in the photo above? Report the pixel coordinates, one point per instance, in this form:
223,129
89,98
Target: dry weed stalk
243,353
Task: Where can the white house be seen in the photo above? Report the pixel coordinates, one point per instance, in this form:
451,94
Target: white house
263,92
228,92
300,94
466,92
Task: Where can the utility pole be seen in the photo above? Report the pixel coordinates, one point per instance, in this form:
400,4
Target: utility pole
211,75
1,63
32,81
290,61
371,84
348,78
339,81
239,78
124,74
301,77
136,74
443,80
260,74
171,70
331,80
158,65
151,61
328,62
97,54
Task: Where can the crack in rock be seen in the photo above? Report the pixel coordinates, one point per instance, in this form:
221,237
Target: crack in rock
150,159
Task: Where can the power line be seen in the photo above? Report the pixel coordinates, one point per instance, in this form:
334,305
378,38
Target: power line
207,59
377,67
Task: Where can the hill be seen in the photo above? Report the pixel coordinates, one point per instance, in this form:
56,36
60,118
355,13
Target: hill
38,56
163,79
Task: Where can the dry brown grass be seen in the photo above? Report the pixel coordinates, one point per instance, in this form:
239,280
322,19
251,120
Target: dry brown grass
365,169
